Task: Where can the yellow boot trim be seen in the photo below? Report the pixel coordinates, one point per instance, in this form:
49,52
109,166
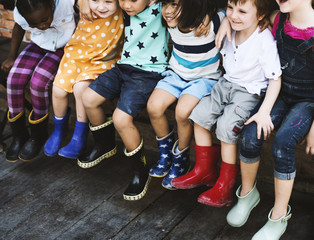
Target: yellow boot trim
38,120
15,118
98,160
95,128
128,154
139,196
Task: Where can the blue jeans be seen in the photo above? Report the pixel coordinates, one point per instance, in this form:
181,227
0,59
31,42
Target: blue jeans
294,122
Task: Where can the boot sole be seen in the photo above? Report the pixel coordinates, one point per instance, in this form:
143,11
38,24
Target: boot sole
98,160
12,161
228,203
190,186
139,196
249,212
158,176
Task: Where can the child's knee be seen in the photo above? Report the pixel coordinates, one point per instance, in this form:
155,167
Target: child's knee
121,120
182,113
154,108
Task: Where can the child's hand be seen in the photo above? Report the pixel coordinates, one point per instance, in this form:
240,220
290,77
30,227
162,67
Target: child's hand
265,23
224,30
263,122
85,11
7,64
309,139
151,2
203,29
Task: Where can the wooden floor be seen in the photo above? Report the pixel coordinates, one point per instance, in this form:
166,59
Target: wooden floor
53,198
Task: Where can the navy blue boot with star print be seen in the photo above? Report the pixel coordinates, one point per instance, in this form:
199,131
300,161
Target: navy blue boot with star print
162,167
180,166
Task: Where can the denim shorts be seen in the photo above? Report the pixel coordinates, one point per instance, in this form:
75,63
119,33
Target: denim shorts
177,86
132,85
293,123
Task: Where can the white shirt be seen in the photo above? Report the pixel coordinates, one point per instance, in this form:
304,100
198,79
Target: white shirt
60,31
253,62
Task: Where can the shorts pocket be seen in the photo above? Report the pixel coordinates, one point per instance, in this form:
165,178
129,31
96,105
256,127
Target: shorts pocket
243,114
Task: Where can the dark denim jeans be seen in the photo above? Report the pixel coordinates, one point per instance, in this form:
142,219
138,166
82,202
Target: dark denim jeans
292,123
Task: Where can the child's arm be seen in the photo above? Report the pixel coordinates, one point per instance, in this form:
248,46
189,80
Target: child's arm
262,117
85,11
224,30
17,37
309,149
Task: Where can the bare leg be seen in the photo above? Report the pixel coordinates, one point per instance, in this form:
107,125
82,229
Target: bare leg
92,102
185,105
248,176
228,152
130,135
157,104
60,101
283,190
79,88
202,136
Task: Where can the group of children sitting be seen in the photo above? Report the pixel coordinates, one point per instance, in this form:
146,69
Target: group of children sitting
119,50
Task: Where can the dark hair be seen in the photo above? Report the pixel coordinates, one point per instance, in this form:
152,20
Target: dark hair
26,7
193,12
264,7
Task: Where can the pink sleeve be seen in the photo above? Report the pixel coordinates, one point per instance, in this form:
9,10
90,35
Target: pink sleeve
275,25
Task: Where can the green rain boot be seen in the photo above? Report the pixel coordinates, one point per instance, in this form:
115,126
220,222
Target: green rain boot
273,229
240,212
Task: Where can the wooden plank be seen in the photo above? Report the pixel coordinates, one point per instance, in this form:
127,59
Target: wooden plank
66,209
107,220
161,217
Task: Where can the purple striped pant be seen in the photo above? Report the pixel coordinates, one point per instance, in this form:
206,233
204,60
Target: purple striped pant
38,66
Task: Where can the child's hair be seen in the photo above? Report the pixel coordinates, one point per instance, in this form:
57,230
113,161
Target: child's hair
192,13
264,7
26,7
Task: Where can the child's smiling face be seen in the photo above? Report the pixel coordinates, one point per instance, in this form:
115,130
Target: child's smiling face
103,8
291,5
133,7
170,13
243,17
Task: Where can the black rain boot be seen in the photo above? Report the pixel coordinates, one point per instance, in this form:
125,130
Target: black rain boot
141,179
20,136
104,145
39,135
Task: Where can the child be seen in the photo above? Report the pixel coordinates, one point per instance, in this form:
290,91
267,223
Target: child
134,77
248,69
51,24
193,72
94,48
292,114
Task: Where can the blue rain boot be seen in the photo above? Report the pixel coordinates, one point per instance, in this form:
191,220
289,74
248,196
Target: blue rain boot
77,143
53,143
180,166
162,167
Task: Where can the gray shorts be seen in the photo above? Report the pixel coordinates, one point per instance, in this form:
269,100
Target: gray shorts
229,105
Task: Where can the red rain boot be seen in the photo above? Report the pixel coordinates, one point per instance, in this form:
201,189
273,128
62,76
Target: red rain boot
204,171
221,194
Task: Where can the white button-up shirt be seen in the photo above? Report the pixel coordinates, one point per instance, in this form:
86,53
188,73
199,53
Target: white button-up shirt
60,30
253,62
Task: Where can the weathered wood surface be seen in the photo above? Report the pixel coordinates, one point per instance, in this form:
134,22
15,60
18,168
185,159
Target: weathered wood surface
52,198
